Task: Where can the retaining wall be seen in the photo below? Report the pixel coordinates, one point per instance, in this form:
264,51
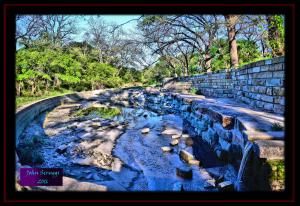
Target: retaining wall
259,84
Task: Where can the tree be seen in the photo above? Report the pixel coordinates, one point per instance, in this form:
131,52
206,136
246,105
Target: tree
276,34
56,29
231,21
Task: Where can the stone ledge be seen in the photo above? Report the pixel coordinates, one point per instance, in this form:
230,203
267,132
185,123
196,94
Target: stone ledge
270,149
257,135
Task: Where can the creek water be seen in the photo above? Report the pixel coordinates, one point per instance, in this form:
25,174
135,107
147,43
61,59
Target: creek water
116,153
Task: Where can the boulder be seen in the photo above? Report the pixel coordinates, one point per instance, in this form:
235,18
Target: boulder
189,141
185,173
186,156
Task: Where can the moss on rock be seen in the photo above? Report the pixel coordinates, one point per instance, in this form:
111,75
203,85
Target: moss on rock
104,112
277,174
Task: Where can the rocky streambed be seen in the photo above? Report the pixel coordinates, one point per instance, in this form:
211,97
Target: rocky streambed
121,149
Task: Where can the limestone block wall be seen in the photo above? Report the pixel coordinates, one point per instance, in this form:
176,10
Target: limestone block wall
218,84
259,84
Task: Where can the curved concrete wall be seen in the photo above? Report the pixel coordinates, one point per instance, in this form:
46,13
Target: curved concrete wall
27,113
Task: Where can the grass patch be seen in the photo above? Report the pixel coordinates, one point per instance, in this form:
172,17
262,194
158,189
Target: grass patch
104,112
194,90
276,126
23,100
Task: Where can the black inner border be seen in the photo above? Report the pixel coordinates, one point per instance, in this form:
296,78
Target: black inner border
11,11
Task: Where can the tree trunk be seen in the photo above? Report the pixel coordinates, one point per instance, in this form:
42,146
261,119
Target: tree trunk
208,62
263,48
18,89
32,89
231,22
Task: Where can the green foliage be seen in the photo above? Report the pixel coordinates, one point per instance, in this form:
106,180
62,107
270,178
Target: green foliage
104,112
42,65
277,170
276,34
193,90
247,50
39,70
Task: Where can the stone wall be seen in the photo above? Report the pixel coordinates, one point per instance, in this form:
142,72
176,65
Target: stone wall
259,84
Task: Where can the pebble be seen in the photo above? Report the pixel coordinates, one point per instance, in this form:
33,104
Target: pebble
145,130
174,142
176,136
166,149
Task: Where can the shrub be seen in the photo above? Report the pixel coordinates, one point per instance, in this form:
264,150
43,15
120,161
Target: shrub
276,126
193,90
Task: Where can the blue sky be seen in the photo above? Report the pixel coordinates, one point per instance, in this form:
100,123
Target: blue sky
118,19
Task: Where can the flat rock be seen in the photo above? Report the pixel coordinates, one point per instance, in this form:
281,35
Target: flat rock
145,130
86,135
176,136
194,162
166,149
210,184
170,131
113,186
185,155
226,186
86,161
96,177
